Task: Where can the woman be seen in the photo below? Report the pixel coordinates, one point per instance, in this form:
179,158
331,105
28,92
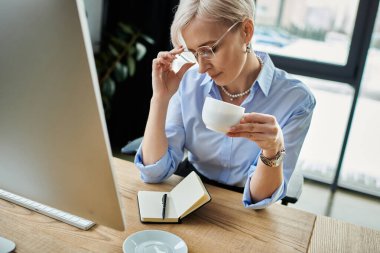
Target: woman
251,156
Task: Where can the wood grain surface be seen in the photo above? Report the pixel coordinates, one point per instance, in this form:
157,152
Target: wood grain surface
223,225
331,235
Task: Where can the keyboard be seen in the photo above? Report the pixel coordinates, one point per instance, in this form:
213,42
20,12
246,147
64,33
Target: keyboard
47,210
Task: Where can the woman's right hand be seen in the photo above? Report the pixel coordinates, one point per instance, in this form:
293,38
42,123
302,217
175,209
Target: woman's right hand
165,81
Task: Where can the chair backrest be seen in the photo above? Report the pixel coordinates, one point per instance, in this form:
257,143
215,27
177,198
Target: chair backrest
132,147
295,186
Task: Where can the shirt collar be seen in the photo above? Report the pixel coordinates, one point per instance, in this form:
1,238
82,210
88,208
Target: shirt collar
207,82
264,80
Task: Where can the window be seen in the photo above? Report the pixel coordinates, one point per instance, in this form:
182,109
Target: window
360,169
315,30
326,43
319,156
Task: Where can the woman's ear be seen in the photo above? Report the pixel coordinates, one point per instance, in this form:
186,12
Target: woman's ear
248,29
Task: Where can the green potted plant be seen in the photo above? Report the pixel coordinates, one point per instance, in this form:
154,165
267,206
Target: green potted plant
117,59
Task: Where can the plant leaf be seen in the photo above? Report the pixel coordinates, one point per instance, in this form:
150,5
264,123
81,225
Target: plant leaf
113,50
131,65
141,51
132,50
108,88
126,28
119,41
120,72
147,39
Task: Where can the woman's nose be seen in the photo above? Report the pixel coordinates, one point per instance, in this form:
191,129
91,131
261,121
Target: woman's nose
203,65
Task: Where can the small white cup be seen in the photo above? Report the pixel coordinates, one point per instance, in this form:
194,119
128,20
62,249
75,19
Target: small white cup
219,116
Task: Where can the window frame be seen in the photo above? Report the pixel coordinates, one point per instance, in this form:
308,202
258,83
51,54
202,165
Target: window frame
351,73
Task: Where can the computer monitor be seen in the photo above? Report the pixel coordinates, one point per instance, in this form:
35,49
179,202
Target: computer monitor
54,146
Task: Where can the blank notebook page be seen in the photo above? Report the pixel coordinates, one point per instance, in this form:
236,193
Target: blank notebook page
152,202
187,192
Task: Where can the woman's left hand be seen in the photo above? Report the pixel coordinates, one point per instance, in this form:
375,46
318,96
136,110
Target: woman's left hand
262,129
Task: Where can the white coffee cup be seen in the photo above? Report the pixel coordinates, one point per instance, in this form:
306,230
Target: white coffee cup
219,115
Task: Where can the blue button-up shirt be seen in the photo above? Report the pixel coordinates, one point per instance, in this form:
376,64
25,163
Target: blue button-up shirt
227,160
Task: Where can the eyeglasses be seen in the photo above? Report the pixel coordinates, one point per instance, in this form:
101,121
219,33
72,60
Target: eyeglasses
205,52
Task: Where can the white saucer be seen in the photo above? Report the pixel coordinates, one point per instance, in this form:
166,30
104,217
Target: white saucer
154,241
6,245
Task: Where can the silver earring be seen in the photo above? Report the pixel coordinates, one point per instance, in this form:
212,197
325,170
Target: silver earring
248,49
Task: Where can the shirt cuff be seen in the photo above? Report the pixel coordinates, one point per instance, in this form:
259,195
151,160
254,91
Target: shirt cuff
277,195
153,173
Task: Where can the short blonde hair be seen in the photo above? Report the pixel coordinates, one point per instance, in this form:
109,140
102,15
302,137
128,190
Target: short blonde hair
226,11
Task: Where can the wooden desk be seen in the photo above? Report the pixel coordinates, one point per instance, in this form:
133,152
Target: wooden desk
331,235
223,225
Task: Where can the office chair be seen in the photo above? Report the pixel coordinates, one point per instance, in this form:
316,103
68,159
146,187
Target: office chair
295,184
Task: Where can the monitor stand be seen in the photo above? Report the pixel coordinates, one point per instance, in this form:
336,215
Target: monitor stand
6,246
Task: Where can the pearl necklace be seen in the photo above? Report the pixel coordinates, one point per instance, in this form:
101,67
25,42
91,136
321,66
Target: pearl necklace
233,96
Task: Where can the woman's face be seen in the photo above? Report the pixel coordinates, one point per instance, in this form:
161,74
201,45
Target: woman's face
229,59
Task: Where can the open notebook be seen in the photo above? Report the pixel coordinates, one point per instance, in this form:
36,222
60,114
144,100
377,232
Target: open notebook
186,197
